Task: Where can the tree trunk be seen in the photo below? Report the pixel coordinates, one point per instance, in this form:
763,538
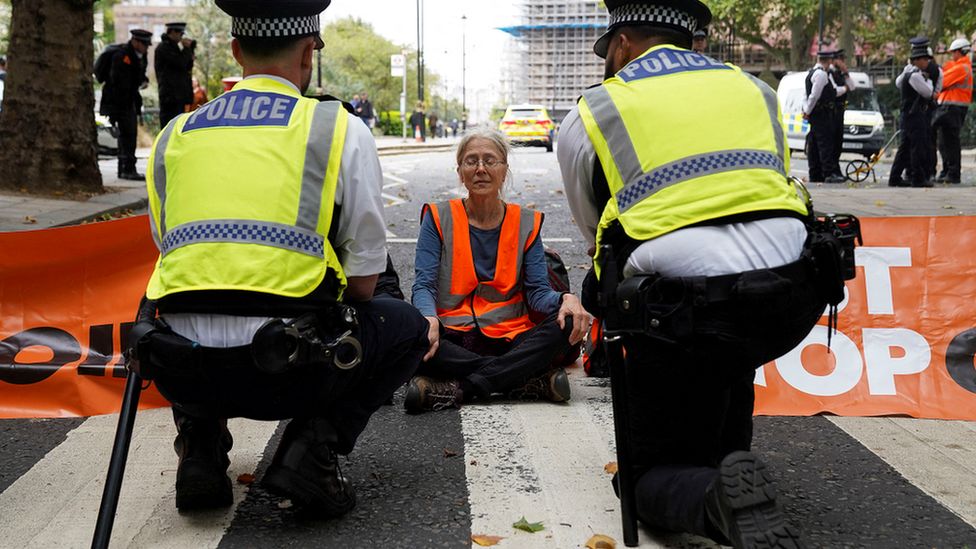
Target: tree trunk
800,43
847,10
47,125
932,11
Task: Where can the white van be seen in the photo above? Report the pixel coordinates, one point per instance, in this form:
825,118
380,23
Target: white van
863,123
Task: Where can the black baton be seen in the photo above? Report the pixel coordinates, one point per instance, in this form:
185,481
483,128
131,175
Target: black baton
613,339
120,448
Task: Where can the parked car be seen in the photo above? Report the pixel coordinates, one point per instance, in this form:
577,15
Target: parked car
528,125
864,131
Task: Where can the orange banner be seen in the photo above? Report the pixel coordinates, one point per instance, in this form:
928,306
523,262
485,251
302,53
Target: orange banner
905,345
67,299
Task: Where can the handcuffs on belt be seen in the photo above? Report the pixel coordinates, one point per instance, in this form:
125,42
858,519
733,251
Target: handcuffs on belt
279,346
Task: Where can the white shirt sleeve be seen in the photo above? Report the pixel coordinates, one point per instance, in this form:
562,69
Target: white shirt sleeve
360,240
576,160
819,80
909,69
921,84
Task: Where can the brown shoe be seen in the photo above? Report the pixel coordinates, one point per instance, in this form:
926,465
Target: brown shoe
428,394
552,386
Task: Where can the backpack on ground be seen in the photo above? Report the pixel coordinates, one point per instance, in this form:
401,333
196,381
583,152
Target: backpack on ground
103,64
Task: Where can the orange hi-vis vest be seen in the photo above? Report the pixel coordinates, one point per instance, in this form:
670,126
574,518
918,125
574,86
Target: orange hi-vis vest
495,307
957,82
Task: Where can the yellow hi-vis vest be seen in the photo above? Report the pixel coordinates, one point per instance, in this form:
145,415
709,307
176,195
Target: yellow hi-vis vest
242,193
684,139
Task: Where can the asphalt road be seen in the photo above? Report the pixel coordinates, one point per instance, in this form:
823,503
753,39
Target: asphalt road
421,479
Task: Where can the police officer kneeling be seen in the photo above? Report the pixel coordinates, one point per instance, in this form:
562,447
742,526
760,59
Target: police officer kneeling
714,231
266,209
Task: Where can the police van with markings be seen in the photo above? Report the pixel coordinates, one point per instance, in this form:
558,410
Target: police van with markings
864,131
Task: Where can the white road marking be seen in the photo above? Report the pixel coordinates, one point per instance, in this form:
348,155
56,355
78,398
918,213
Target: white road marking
939,457
55,503
546,462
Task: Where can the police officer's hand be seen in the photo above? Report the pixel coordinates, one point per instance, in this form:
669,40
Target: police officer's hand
188,43
582,320
433,336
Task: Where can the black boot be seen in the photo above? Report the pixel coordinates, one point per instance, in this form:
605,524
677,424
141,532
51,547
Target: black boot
201,477
741,506
306,470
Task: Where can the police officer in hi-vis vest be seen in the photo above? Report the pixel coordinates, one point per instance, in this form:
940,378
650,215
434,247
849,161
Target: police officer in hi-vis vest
820,109
718,221
266,209
950,116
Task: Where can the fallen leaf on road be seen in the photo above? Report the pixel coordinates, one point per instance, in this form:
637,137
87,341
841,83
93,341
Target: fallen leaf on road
448,453
486,541
610,468
473,462
29,219
285,504
880,203
530,205
530,527
948,207
599,541
245,478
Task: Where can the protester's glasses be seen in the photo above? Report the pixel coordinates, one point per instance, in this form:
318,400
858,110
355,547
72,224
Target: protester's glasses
489,163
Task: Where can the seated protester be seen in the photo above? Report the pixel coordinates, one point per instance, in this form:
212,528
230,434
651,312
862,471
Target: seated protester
480,272
264,285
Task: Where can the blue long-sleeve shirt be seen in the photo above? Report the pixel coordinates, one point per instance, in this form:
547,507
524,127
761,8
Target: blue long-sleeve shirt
539,295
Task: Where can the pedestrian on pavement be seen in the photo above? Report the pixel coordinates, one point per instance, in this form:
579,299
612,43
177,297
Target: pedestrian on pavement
719,215
121,100
454,127
173,63
355,103
950,116
840,77
3,68
418,121
365,110
819,108
699,41
266,306
917,89
496,324
199,95
432,125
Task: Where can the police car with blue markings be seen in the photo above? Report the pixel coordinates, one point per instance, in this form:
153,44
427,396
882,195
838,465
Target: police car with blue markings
864,128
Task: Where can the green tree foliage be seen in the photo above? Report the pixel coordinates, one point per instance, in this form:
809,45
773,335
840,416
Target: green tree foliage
4,25
210,27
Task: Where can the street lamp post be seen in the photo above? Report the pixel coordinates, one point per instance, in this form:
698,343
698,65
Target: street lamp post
464,51
420,50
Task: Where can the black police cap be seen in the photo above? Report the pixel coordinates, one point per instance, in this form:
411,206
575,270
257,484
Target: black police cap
682,15
141,35
273,18
176,25
700,33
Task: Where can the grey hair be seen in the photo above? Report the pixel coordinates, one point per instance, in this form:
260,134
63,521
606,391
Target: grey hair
497,138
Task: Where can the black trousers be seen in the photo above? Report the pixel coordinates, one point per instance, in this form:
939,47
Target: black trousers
169,111
126,122
393,335
498,366
838,141
948,124
913,153
690,403
820,145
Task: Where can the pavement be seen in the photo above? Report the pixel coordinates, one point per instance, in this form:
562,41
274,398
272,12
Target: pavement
24,211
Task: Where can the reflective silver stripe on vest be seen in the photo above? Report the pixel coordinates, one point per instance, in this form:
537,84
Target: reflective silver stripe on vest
317,153
445,299
159,179
772,106
457,321
501,314
693,167
612,127
245,231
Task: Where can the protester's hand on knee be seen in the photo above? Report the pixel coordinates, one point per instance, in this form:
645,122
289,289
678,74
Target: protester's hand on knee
582,320
433,336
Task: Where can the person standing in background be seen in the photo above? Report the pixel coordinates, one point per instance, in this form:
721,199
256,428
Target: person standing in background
844,84
699,41
173,64
199,95
957,94
365,110
121,101
3,68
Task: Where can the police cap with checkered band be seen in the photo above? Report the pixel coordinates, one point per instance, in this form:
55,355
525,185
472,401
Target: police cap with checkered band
274,19
682,15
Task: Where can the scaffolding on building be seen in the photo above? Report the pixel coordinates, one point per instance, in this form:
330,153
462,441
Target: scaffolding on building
552,59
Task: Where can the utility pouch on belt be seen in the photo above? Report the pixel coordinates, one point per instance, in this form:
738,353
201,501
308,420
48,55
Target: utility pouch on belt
279,346
655,306
830,248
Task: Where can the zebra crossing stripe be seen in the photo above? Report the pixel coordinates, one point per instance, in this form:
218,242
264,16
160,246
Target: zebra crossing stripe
56,502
